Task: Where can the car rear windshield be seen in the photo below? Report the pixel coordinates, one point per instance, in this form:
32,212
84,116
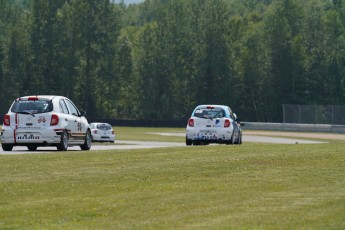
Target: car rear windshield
103,127
32,107
209,113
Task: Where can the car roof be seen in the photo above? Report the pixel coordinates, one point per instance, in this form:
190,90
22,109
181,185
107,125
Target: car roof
224,107
210,105
46,97
99,123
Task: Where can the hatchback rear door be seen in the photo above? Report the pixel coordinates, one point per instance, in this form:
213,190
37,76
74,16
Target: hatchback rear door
105,131
210,118
31,114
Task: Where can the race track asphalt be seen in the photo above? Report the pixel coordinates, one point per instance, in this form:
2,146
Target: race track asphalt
149,144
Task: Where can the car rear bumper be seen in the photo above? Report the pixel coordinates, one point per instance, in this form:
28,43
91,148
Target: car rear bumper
209,136
103,138
23,137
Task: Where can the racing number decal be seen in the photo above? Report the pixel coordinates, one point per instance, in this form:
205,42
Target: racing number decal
79,127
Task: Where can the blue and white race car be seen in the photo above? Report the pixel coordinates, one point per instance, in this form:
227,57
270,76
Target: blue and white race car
213,124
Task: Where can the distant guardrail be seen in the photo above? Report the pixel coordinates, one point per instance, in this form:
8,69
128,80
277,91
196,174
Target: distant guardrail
294,127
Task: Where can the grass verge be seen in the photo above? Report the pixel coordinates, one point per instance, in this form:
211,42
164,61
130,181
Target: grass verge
148,134
252,186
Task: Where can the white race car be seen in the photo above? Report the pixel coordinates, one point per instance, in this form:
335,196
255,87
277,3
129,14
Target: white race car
213,124
102,132
35,121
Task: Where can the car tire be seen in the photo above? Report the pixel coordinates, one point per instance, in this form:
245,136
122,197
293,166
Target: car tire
232,140
87,141
63,145
32,147
7,147
189,142
238,140
196,143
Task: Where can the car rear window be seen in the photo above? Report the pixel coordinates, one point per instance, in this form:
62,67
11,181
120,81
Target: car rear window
32,106
209,113
103,127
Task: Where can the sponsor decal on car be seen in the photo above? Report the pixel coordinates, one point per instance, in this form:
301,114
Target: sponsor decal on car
217,124
27,137
41,120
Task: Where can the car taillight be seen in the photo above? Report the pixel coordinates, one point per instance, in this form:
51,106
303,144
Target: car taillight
191,122
32,99
227,123
7,120
112,132
54,120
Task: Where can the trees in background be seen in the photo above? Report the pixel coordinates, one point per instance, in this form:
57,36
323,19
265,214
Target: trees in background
159,59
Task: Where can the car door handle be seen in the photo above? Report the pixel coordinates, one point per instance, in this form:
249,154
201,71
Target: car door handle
66,119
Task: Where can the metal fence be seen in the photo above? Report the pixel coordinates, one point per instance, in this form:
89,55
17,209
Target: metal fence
314,114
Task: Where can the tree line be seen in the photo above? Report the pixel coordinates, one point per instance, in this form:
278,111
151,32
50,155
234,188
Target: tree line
161,58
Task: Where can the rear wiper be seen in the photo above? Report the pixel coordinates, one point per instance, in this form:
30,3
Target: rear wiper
24,112
207,118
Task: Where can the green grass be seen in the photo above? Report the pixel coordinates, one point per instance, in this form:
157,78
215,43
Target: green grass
252,186
148,134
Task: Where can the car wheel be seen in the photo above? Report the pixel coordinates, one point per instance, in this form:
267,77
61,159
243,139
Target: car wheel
63,145
196,143
232,140
237,141
87,141
32,147
7,147
189,142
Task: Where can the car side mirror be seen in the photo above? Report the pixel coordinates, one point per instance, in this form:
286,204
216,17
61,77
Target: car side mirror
82,113
235,117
